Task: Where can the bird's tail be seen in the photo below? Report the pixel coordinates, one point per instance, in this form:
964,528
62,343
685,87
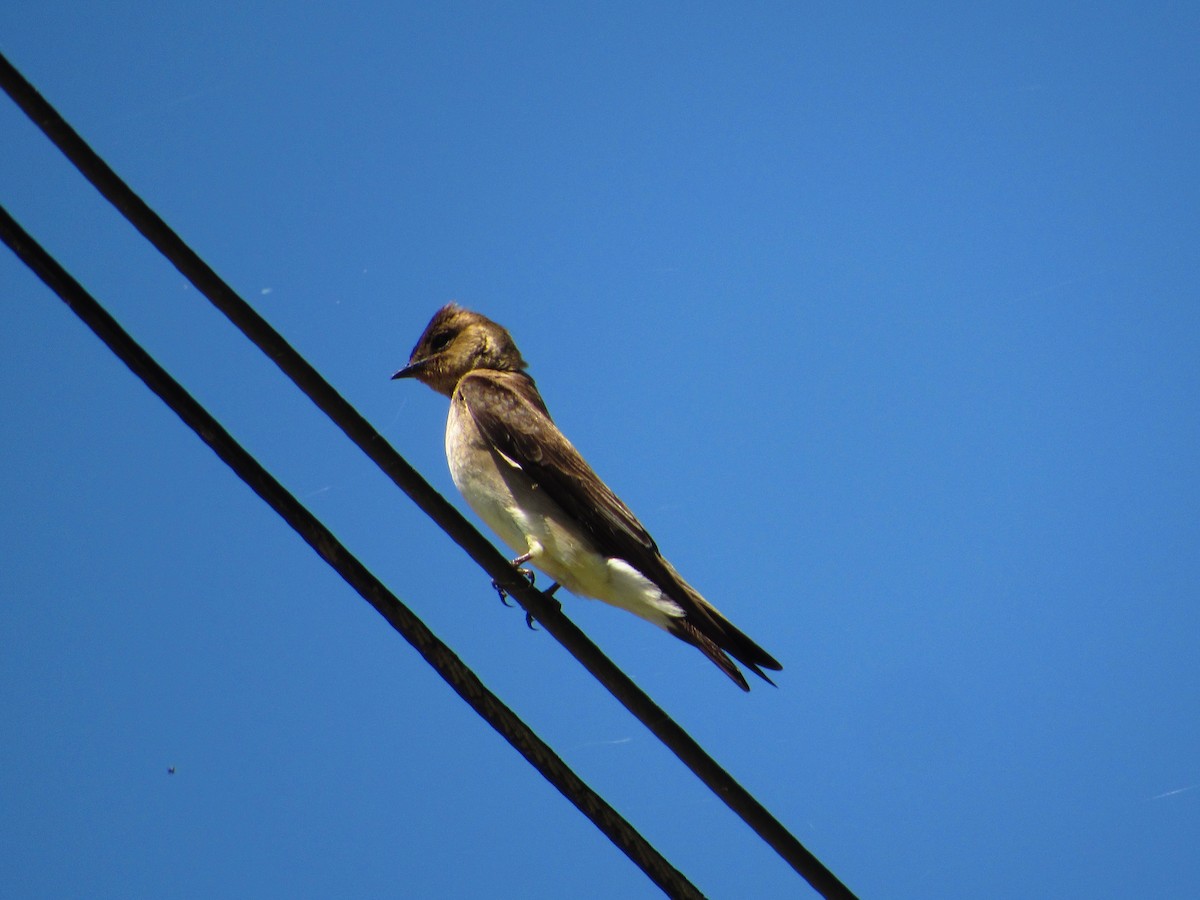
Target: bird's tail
685,629
716,637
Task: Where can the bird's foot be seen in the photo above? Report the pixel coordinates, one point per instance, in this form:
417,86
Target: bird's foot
503,593
527,573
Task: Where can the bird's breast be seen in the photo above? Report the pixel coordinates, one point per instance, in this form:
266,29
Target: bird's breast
512,505
527,520
473,466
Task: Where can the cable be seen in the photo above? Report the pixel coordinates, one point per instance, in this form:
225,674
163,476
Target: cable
242,315
465,682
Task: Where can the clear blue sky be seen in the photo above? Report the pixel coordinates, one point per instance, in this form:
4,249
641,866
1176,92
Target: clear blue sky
886,323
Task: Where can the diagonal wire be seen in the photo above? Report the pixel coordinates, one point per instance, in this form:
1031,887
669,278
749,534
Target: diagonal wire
437,654
352,423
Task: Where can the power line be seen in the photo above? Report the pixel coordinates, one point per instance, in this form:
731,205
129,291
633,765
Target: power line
465,682
242,315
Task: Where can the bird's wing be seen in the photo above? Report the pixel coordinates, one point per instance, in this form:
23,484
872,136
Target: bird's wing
511,416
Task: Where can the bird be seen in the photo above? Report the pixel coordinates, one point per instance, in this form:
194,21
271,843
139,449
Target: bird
529,484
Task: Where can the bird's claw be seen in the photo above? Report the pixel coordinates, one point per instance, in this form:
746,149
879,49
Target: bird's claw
502,592
527,573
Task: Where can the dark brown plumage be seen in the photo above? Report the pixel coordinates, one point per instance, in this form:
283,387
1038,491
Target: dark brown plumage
505,432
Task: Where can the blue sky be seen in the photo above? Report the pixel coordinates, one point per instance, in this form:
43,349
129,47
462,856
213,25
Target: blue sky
885,322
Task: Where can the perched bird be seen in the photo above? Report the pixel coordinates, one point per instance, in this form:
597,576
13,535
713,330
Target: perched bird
525,480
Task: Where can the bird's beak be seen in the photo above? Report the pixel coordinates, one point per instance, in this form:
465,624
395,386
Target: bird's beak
413,369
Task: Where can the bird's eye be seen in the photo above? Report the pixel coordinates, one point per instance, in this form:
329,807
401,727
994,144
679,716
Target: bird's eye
439,341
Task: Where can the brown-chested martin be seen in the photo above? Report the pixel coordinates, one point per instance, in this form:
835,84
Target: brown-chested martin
526,481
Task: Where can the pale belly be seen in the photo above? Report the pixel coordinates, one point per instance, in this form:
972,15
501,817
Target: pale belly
530,522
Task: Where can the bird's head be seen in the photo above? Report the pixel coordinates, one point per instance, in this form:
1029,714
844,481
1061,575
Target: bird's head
455,342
